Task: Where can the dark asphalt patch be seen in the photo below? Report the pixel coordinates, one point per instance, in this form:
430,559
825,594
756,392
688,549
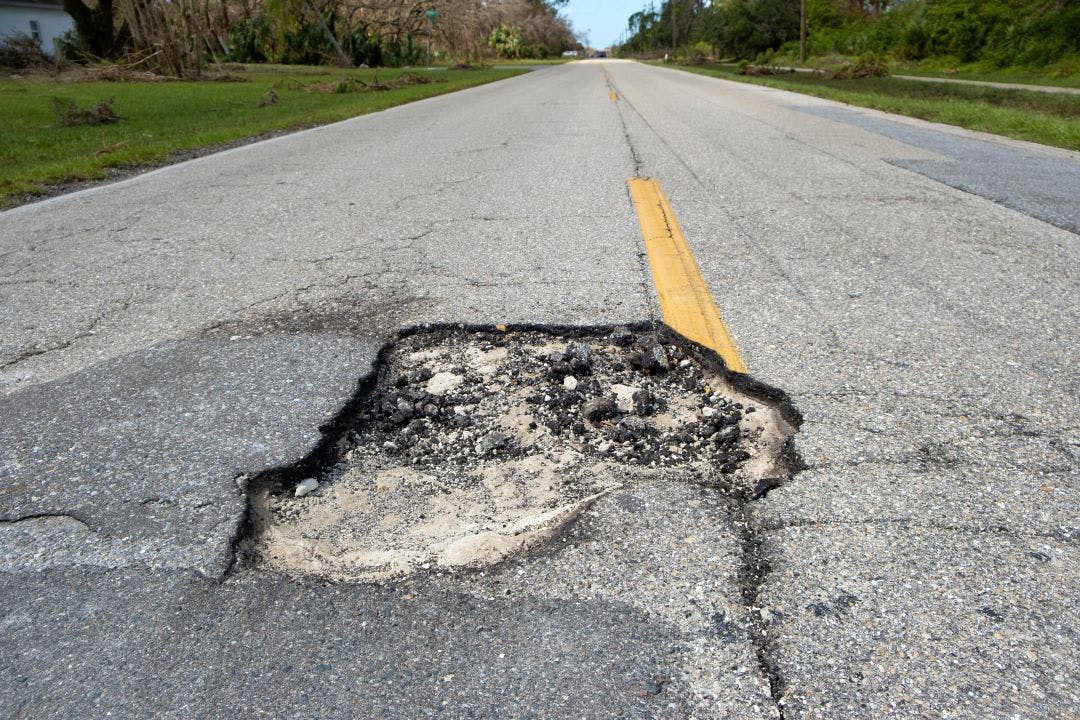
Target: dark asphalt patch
1042,186
141,644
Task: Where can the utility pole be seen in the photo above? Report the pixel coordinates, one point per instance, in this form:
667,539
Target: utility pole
652,27
431,14
802,31
674,43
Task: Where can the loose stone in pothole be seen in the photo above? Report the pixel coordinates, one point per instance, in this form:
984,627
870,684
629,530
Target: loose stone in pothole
473,446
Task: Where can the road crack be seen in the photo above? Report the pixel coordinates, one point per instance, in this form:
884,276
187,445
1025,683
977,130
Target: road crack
1064,534
88,330
44,516
635,157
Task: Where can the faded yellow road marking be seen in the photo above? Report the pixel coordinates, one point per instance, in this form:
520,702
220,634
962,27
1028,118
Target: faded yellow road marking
685,300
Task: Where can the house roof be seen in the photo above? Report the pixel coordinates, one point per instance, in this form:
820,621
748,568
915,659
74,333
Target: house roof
39,4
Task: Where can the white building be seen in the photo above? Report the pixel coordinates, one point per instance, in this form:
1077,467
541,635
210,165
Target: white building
40,19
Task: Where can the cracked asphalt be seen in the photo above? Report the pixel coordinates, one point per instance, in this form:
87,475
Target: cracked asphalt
910,286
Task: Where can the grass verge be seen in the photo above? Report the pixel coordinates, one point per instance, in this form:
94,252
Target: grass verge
1047,118
1018,76
159,120
1063,73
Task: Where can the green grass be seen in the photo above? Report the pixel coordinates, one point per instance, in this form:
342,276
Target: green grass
1063,73
1047,118
1017,75
163,118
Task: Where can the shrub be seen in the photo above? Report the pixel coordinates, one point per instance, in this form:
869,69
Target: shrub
249,40
68,50
506,41
694,56
20,51
364,47
304,44
867,65
401,50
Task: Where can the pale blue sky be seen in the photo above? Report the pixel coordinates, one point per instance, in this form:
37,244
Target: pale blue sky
605,19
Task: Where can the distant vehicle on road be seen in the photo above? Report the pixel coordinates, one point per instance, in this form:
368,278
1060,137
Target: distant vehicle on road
599,54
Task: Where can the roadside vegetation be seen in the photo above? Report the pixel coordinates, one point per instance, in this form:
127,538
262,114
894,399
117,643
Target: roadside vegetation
182,38
1047,118
975,72
1000,40
140,84
78,127
855,46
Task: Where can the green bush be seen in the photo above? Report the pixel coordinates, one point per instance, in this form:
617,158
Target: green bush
867,65
363,47
250,40
506,41
693,55
257,40
997,33
401,51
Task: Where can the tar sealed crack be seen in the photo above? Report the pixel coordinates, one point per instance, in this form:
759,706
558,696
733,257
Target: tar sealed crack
472,446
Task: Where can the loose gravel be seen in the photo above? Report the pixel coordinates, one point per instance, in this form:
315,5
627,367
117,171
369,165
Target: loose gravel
476,445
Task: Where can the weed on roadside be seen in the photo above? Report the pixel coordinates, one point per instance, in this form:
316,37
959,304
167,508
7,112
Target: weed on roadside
355,84
68,114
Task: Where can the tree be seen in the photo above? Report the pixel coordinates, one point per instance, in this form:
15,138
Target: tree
289,14
744,28
466,27
642,26
97,28
506,40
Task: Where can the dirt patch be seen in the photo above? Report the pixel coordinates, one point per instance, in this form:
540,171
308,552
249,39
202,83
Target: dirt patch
476,445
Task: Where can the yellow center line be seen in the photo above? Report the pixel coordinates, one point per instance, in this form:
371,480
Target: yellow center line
685,299
612,95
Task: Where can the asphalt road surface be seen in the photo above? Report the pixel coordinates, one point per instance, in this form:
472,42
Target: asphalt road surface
911,287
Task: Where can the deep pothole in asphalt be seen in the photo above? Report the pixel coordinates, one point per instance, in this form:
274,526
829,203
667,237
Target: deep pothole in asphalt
472,446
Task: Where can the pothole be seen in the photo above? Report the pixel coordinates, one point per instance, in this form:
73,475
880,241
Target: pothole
472,446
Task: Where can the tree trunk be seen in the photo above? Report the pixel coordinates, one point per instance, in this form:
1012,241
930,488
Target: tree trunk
96,27
345,60
674,35
802,31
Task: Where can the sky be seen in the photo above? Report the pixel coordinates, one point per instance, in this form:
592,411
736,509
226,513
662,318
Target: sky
604,19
